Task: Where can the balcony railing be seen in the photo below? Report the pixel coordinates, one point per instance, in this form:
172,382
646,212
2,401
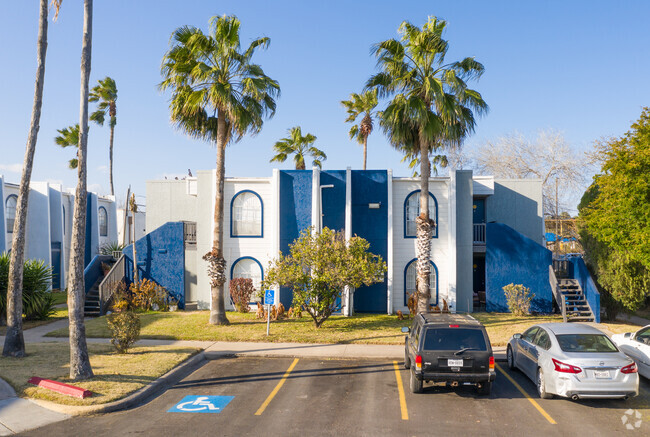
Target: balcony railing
479,233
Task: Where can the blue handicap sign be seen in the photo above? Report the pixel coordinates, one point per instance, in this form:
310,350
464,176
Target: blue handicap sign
201,404
269,297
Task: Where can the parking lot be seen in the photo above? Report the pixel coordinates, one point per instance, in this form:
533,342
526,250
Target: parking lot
307,396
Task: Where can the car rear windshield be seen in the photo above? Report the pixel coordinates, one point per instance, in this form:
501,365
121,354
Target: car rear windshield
585,343
454,339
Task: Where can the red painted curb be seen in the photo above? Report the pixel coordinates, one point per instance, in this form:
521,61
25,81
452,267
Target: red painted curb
60,387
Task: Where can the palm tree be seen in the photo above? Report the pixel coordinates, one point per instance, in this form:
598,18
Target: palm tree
105,92
358,104
218,95
79,361
299,146
68,137
14,344
432,108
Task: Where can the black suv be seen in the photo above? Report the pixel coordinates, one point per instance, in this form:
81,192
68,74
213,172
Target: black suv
452,348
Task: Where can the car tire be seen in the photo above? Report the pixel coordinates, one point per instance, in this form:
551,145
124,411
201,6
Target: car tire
510,357
415,384
541,386
484,389
407,359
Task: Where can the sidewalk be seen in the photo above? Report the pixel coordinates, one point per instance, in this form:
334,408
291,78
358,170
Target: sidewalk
13,409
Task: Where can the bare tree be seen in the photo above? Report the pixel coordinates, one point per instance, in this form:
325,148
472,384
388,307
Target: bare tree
548,157
79,361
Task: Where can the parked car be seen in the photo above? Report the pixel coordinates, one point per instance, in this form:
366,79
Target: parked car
573,360
636,345
450,348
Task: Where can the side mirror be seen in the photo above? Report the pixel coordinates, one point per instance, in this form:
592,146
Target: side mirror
627,335
406,330
516,336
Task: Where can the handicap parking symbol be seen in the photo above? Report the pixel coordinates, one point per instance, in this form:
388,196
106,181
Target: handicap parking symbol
201,404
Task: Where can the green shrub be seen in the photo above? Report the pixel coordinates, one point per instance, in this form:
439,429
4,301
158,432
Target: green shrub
109,248
125,329
38,302
518,298
241,290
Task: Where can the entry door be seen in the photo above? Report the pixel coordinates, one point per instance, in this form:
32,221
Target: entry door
478,215
56,265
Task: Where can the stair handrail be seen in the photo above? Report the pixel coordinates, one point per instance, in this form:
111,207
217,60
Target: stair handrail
556,292
108,285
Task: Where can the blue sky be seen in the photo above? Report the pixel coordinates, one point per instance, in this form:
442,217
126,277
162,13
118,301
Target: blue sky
580,67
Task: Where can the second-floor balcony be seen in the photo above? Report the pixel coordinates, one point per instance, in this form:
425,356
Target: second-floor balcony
479,234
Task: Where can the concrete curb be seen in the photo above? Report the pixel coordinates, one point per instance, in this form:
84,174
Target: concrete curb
136,398
6,391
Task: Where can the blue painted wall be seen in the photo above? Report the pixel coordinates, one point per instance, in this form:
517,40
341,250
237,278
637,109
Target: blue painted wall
333,199
92,232
512,257
371,186
580,272
295,213
161,259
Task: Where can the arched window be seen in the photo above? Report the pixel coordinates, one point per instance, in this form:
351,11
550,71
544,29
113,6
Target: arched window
248,268
10,205
102,218
246,215
412,210
410,273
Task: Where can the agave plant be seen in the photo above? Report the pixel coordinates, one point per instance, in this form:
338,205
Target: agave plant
38,303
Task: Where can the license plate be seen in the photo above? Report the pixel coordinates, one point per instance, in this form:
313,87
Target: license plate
455,363
603,374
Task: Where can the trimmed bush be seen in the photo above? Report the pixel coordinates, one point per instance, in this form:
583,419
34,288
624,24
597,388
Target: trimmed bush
518,298
241,290
125,330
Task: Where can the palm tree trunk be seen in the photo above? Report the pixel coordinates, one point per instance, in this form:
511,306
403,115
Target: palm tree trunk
14,342
365,150
136,274
217,263
110,160
423,231
79,360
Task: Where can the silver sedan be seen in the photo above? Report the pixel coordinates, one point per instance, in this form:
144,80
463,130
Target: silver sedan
573,360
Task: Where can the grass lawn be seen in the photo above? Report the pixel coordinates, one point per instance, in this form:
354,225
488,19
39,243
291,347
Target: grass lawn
359,329
115,375
60,297
59,313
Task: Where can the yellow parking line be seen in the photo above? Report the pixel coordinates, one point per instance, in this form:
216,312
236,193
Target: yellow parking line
276,389
400,389
523,392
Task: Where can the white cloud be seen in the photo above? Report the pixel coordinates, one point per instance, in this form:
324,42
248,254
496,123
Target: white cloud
12,168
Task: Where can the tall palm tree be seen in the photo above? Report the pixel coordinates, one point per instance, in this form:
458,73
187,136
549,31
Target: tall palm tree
432,108
69,137
218,95
79,361
299,146
358,104
14,344
105,92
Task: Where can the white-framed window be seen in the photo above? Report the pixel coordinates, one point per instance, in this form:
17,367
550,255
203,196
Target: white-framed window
246,215
10,208
409,281
102,218
249,268
412,210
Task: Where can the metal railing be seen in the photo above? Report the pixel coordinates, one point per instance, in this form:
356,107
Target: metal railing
559,298
109,284
479,233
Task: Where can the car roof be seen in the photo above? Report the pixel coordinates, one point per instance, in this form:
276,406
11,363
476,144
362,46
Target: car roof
447,318
570,328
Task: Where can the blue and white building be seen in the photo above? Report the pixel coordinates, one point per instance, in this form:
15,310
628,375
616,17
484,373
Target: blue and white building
49,224
490,233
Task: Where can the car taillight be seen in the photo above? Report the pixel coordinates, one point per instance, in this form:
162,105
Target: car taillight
454,326
491,363
630,368
565,368
418,361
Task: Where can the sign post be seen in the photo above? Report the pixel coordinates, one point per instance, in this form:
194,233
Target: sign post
269,296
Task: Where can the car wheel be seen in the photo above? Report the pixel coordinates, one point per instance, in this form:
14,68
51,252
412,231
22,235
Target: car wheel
484,389
541,386
510,356
416,384
407,359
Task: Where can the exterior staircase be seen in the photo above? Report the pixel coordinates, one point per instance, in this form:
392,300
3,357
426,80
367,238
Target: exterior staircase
92,306
575,302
